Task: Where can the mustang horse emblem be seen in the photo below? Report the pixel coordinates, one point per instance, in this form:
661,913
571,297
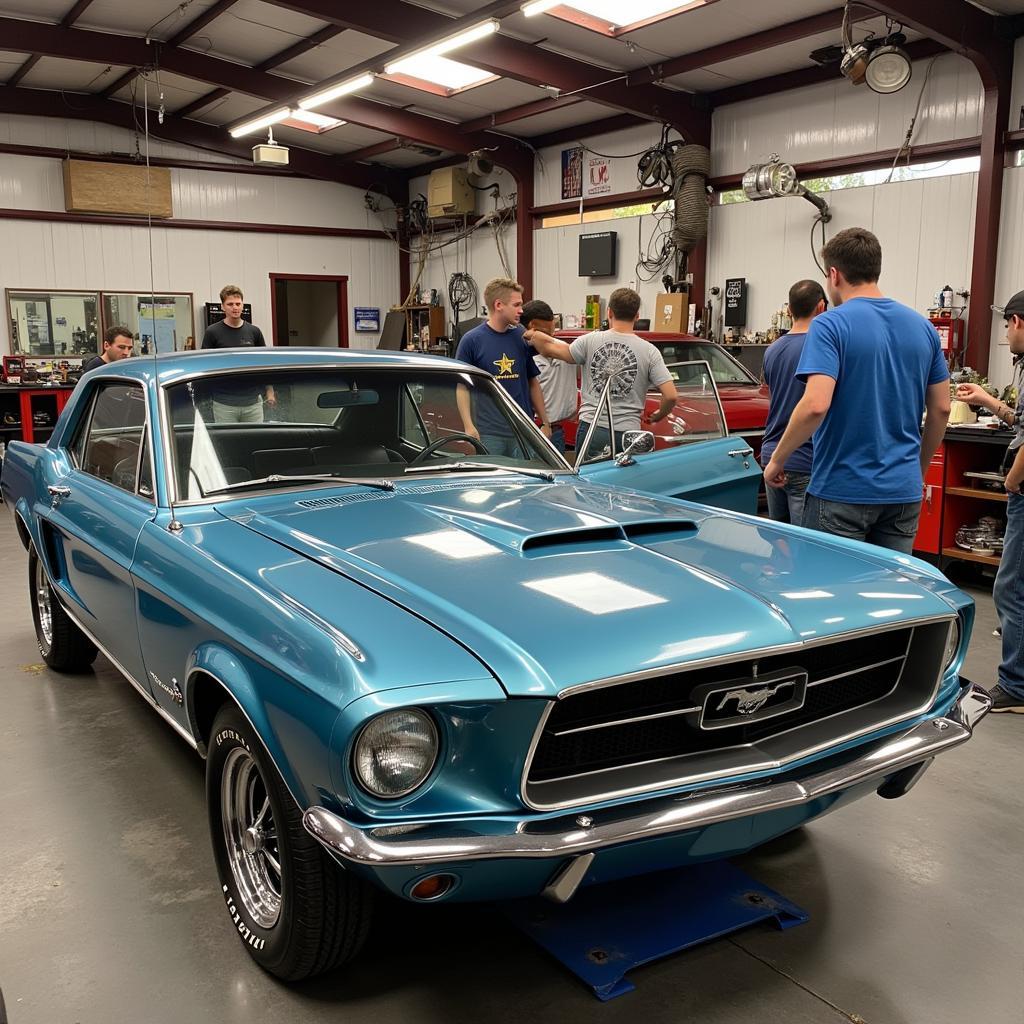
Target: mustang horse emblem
749,701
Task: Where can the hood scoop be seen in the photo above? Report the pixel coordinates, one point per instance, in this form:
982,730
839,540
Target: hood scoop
635,533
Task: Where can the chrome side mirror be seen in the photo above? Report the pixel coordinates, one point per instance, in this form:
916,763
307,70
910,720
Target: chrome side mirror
634,442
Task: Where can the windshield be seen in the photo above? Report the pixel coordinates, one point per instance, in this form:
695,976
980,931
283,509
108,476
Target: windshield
365,422
724,368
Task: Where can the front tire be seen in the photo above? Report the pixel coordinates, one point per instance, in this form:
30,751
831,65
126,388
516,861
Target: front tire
297,912
62,644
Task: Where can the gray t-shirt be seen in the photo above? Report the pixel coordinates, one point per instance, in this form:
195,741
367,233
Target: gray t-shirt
558,385
639,366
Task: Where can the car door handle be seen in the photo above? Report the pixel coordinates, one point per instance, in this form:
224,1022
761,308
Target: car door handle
57,491
744,452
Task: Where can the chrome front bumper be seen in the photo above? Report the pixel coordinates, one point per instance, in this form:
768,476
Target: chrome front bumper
467,839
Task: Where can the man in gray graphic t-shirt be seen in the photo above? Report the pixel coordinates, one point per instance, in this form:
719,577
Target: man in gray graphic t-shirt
635,366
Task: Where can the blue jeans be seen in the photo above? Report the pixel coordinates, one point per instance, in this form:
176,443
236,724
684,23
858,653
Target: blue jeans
1008,594
888,526
786,504
499,444
598,441
558,437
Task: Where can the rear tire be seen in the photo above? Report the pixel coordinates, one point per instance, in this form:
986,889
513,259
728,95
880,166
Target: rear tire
296,911
62,644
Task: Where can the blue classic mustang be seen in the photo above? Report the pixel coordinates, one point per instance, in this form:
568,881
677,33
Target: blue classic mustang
418,650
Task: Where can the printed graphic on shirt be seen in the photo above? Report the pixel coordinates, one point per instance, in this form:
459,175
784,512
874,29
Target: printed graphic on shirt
614,359
505,366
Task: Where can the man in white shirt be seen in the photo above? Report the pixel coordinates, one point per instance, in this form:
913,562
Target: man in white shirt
557,379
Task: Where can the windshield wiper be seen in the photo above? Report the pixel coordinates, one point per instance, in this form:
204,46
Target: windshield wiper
465,467
316,478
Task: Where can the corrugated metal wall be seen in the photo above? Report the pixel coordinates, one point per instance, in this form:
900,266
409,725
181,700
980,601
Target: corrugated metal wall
43,255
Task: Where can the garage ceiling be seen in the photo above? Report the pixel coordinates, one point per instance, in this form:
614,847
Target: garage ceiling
218,61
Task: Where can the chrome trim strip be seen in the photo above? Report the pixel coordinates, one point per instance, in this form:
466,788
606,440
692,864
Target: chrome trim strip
456,840
627,721
864,668
146,695
524,782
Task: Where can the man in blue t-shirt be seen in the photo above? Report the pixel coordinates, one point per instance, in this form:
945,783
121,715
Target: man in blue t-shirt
786,503
872,366
497,346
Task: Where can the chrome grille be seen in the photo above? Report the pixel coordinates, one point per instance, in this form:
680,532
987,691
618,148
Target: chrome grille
650,729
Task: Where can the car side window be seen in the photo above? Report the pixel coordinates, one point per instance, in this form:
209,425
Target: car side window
411,428
110,446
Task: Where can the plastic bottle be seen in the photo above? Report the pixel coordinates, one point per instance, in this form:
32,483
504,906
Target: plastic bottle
947,297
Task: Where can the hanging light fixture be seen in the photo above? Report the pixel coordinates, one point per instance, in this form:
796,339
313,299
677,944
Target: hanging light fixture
889,67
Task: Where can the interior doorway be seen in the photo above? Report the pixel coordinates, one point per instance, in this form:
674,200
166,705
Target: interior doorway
309,309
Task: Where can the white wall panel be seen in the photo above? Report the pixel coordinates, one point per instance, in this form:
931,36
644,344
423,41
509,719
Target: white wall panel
1009,271
926,228
834,119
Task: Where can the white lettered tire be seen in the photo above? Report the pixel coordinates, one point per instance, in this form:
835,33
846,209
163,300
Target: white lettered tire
297,912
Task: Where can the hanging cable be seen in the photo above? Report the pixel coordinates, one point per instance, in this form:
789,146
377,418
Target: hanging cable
909,137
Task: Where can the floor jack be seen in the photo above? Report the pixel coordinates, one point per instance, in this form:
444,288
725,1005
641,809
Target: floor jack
607,930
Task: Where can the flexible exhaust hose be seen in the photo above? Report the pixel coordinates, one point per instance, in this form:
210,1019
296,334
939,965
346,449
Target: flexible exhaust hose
691,165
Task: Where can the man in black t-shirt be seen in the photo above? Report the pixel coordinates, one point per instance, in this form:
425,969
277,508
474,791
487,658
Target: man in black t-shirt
236,404
117,344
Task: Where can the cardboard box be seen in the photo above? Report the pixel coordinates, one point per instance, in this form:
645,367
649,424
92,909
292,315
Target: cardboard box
672,310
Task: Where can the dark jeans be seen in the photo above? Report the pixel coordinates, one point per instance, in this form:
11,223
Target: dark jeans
558,437
786,504
1008,594
888,526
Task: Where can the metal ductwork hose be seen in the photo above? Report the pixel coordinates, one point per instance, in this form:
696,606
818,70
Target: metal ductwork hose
691,166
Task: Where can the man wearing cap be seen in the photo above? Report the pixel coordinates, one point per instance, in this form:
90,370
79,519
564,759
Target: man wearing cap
1008,592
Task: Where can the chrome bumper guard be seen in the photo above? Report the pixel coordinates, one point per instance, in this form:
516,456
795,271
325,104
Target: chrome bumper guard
445,841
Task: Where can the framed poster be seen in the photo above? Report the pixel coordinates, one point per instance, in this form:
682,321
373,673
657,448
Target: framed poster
599,176
572,173
735,302
367,318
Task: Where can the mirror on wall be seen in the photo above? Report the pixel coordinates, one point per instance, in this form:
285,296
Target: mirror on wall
54,323
159,323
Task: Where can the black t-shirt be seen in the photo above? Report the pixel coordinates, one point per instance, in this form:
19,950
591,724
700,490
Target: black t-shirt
91,364
220,335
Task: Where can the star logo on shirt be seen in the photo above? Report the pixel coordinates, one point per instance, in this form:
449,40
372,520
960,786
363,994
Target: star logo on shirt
504,365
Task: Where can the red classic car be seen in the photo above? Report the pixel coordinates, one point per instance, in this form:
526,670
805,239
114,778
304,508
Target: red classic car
744,397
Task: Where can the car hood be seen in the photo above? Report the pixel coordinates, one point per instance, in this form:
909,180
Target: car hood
553,585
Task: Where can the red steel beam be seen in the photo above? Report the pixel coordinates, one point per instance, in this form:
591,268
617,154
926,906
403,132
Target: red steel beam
755,43
406,24
50,40
192,28
919,49
987,41
66,22
289,53
45,103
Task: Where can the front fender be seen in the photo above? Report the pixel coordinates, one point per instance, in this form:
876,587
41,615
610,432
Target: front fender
292,723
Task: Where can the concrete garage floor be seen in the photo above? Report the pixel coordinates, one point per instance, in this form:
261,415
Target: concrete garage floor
109,909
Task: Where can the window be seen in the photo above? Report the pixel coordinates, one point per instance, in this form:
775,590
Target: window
559,220
874,176
724,368
110,444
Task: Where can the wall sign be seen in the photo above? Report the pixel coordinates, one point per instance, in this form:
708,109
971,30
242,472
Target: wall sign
735,302
599,176
367,318
572,173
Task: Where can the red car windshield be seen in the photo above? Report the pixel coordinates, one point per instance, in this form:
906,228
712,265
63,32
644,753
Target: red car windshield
724,368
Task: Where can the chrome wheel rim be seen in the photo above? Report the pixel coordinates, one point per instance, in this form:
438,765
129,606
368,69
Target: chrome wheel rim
250,836
43,605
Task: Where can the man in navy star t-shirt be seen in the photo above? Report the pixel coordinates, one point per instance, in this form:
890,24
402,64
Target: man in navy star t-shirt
497,346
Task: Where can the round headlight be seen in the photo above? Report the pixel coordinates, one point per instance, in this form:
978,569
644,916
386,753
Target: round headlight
395,752
952,644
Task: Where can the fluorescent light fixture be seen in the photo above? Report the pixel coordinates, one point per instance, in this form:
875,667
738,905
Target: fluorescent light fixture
453,42
539,7
332,92
308,121
452,74
263,121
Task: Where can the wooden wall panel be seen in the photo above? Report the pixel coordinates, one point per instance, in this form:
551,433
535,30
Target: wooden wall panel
93,187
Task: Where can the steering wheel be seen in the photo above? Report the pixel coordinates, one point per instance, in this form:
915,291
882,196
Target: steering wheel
442,441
